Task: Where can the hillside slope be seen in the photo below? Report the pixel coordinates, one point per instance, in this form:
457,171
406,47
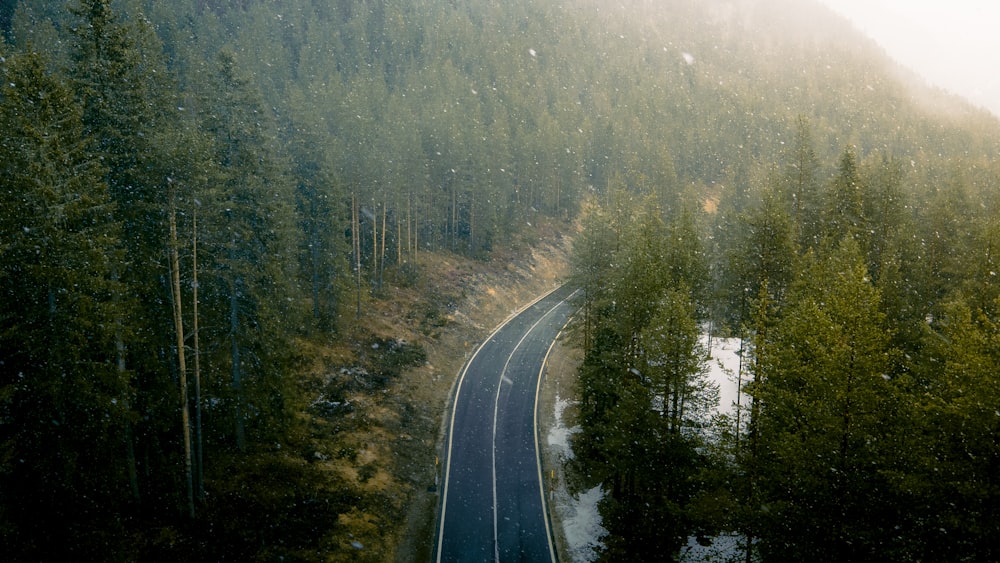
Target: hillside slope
456,303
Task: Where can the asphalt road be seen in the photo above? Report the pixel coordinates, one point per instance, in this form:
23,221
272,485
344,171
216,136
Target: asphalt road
492,501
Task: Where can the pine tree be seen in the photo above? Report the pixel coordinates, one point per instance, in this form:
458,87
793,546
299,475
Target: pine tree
760,254
642,276
674,363
826,398
247,219
948,467
801,185
592,268
120,79
844,212
63,401
322,253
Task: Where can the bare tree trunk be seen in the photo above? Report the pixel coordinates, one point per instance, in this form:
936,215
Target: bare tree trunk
739,390
175,287
454,218
472,223
356,241
314,252
199,451
381,272
133,474
409,224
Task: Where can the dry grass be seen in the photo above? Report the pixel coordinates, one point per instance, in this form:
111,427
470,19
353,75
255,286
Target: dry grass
387,449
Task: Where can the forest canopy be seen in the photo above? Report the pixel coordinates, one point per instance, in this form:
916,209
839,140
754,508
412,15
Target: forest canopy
186,187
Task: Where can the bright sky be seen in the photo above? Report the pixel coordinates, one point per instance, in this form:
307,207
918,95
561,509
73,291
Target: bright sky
954,44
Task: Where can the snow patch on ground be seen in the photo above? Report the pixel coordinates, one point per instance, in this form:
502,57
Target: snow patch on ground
582,525
559,435
724,369
723,548
580,518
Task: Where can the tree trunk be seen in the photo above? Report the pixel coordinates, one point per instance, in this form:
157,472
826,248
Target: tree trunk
356,241
675,407
314,252
754,426
454,218
381,272
133,474
472,223
175,287
234,326
409,225
199,451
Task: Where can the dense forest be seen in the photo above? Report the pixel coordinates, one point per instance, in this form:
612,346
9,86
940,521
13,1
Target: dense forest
189,189
870,427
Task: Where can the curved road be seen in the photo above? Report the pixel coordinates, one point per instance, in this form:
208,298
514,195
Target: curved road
492,501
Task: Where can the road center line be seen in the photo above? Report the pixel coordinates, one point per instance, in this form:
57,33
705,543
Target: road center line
496,410
456,392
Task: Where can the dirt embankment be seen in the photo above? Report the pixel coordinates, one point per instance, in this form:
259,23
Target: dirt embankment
373,427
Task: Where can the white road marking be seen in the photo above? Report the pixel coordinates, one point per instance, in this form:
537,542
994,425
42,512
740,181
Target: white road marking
496,410
451,423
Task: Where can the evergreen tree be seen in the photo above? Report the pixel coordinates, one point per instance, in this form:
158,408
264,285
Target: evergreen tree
884,212
641,277
844,213
949,474
945,236
801,185
120,80
592,268
64,474
759,254
318,199
827,393
642,383
674,363
686,265
247,219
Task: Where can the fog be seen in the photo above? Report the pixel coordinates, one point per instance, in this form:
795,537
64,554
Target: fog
952,44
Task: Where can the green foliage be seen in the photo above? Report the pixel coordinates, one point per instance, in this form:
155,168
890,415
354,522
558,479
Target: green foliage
759,252
643,389
824,378
63,403
951,470
454,126
844,212
674,363
246,221
801,184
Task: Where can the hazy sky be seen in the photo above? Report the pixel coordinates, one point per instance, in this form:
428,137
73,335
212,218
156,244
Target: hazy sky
955,44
